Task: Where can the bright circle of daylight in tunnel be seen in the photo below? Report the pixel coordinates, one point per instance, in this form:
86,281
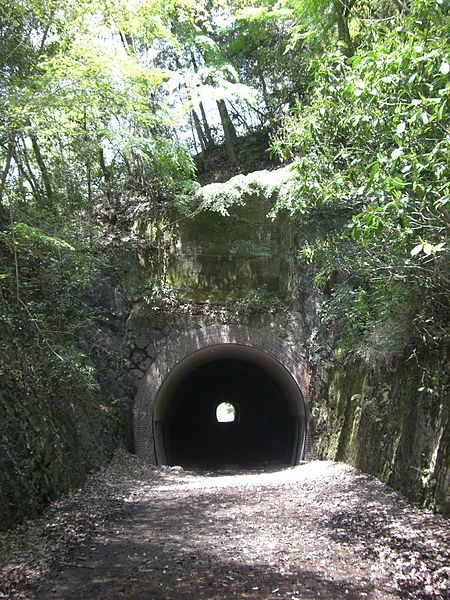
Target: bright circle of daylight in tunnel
225,413
229,405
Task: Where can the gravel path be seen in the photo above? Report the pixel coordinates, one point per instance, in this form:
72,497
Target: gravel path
320,530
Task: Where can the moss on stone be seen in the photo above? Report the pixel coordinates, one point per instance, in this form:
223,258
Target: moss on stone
376,418
52,434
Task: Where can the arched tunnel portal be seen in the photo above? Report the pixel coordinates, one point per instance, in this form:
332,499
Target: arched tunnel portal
177,418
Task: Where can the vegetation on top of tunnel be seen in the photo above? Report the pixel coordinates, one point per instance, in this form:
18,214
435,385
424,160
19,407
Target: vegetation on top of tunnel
240,307
358,104
267,186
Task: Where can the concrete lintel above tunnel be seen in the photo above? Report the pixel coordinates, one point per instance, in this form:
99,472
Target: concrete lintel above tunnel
259,375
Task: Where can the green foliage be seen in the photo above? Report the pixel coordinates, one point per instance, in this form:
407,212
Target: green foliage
54,273
98,101
84,117
266,185
87,147
374,320
258,44
24,238
256,302
335,23
373,145
52,430
56,424
157,296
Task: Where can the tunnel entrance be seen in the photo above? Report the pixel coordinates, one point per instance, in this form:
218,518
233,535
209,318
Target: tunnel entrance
229,404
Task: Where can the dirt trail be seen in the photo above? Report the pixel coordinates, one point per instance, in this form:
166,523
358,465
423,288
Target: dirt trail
320,530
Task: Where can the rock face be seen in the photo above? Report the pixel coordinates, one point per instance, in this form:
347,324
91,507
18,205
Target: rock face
381,419
48,442
235,247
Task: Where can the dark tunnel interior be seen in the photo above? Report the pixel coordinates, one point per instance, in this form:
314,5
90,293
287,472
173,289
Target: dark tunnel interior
265,426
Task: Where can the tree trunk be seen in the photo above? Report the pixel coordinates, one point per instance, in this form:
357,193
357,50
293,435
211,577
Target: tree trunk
42,167
402,5
202,136
342,11
127,43
229,132
238,116
89,185
207,129
139,171
191,123
106,175
210,143
9,155
31,178
200,133
265,94
22,175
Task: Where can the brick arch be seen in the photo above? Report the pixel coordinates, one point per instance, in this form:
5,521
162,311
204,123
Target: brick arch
198,346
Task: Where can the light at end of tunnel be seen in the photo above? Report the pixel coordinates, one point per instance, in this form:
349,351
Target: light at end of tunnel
225,413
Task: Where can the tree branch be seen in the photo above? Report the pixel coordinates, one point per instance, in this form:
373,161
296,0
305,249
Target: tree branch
401,5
